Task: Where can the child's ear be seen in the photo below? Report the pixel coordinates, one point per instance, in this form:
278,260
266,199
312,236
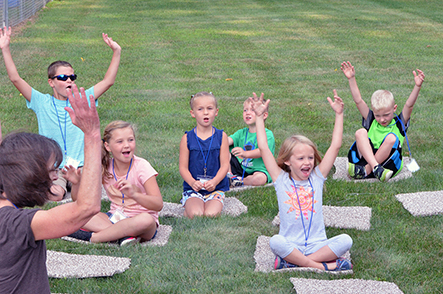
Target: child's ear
51,83
107,146
216,112
192,113
265,115
395,107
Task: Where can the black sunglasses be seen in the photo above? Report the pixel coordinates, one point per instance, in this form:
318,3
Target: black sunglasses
65,77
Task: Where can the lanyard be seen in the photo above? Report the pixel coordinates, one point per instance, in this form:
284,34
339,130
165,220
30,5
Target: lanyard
115,177
59,123
205,158
301,213
246,160
404,131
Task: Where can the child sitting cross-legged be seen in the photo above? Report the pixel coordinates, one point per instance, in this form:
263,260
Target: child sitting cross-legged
377,149
247,167
298,176
131,185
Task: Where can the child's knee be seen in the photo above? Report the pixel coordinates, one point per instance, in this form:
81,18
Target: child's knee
361,133
390,140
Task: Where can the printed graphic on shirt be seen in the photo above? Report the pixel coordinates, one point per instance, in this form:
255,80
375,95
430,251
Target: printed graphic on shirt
300,199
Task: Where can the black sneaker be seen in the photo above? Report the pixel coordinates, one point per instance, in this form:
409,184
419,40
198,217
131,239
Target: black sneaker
81,235
382,173
356,171
235,182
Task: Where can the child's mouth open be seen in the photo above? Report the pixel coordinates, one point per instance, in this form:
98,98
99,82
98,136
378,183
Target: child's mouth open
126,153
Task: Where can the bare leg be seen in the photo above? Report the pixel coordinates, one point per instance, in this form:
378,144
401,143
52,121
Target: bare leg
213,208
314,260
194,207
256,179
142,225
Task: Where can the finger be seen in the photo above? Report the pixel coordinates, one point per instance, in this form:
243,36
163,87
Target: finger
262,96
335,92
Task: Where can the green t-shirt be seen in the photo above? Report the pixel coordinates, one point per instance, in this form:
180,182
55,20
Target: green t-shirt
244,138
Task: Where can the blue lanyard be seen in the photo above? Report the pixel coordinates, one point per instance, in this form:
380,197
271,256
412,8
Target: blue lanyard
59,123
115,177
404,131
301,212
12,203
205,158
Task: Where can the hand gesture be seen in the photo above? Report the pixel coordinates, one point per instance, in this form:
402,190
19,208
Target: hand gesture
125,187
209,185
238,152
112,44
5,37
337,105
418,78
71,174
258,104
82,115
197,185
348,69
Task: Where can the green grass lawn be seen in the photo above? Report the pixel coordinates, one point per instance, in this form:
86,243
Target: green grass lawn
289,49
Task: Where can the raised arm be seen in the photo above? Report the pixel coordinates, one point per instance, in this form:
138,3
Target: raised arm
349,72
419,77
262,140
337,135
111,74
67,218
22,86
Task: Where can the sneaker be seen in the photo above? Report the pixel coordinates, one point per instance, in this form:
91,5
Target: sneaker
382,173
356,171
280,263
235,181
81,235
128,240
342,264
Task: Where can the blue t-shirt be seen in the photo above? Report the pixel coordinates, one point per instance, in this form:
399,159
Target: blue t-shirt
54,122
208,149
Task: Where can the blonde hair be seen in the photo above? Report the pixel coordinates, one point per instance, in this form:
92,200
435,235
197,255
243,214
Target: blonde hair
202,94
107,135
382,99
287,149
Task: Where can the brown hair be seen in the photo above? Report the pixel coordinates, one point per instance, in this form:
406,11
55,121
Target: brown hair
52,68
24,175
107,135
287,149
202,94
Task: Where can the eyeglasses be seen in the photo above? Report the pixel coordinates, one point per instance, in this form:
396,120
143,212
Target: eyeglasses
65,77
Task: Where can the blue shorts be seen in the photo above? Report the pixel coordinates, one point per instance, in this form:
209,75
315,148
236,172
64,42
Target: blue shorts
216,195
394,162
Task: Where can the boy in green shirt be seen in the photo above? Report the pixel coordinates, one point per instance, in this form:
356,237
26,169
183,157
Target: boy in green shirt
247,167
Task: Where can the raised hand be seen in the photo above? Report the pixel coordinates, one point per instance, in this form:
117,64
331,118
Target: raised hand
418,78
112,44
348,69
83,114
337,105
258,104
5,37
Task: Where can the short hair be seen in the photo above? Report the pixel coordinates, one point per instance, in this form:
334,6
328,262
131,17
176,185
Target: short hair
287,149
382,99
24,175
202,94
107,135
52,68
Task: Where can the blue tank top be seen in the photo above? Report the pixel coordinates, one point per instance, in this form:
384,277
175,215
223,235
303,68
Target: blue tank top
196,162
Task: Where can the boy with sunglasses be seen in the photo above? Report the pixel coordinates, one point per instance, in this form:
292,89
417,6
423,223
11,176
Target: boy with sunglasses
53,121
247,167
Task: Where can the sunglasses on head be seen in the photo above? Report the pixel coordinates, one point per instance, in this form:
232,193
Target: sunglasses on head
65,77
